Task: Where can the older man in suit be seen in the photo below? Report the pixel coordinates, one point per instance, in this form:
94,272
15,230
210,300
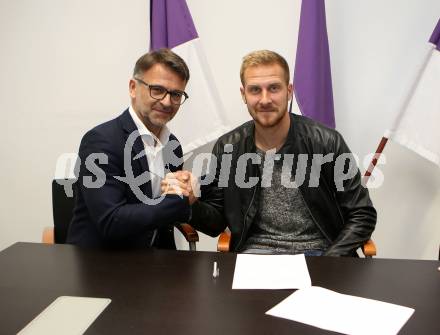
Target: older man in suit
119,203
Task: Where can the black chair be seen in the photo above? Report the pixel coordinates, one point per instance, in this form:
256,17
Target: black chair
62,206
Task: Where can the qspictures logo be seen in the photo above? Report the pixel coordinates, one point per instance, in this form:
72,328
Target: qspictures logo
296,170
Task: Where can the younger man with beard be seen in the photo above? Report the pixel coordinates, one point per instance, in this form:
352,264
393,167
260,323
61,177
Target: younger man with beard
324,211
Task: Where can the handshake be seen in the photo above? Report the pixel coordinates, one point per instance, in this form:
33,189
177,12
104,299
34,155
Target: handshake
182,183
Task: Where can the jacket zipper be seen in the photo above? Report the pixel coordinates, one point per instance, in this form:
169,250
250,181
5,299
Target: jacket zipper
245,216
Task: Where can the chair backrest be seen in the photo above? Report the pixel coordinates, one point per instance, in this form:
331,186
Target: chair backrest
62,206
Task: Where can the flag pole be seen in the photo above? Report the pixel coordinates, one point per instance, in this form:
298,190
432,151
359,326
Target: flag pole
374,160
435,39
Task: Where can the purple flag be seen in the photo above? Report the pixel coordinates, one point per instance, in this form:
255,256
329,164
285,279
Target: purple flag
170,24
416,126
312,78
435,37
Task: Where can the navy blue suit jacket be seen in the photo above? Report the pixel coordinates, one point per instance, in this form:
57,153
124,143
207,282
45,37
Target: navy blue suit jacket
113,215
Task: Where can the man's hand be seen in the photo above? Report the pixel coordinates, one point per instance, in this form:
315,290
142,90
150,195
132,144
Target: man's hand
181,183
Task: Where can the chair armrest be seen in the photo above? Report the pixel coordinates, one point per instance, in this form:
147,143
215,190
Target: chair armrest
188,232
224,241
369,248
48,236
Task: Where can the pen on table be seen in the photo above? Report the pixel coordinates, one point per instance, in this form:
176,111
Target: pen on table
215,271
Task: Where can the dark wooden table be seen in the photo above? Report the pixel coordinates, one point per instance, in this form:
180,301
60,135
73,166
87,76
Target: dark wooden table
173,292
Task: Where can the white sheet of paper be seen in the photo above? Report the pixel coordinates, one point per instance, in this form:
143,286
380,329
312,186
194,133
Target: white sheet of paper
271,272
342,313
67,316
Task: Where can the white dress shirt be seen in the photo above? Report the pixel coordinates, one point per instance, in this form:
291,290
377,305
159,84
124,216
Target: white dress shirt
153,151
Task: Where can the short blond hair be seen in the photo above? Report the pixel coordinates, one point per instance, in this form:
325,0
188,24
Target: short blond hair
264,57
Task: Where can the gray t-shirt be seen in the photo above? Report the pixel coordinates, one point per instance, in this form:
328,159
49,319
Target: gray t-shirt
283,224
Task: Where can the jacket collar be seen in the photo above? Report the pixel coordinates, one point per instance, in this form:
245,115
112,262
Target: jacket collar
127,122
290,142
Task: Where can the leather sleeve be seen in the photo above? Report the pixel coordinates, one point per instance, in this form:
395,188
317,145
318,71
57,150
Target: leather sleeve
354,202
207,212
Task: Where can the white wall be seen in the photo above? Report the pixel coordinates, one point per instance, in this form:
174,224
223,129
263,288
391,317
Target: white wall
376,48
65,67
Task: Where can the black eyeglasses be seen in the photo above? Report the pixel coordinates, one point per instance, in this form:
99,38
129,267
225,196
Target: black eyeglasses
158,92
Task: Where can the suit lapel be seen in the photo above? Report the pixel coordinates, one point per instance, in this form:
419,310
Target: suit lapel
130,128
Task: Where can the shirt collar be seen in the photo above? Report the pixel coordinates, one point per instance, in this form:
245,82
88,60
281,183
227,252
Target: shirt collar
146,134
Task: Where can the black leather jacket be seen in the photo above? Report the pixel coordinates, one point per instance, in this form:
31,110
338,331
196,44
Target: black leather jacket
346,217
